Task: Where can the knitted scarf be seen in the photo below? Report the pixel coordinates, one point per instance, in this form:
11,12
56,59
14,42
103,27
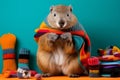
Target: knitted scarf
80,38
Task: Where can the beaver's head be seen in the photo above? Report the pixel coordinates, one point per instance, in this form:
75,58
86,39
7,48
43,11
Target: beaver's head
61,17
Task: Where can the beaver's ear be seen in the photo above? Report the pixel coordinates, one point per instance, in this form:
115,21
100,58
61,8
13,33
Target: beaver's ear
70,7
51,8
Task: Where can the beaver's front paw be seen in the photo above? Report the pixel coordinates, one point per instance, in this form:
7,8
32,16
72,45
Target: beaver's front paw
52,37
67,37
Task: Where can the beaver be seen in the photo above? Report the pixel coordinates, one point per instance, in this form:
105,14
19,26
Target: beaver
56,54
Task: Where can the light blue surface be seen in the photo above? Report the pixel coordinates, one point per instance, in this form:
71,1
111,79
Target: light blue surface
100,18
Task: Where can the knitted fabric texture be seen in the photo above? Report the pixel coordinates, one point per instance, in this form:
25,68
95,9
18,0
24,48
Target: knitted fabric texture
110,61
82,47
23,61
7,42
110,68
93,67
113,71
111,53
23,70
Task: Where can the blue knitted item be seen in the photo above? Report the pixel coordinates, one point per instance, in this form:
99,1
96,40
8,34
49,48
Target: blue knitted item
23,66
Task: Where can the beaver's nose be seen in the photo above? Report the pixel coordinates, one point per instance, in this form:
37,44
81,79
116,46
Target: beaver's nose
61,23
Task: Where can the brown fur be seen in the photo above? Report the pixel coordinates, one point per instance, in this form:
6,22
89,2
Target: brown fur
47,49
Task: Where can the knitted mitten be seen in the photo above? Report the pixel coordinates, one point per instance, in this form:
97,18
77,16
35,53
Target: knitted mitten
23,64
93,67
7,42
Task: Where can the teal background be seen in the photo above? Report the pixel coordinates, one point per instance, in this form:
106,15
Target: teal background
100,18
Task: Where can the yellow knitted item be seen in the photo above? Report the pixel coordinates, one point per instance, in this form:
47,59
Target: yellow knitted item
7,42
115,49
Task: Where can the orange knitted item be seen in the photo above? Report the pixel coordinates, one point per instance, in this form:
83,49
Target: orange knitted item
7,42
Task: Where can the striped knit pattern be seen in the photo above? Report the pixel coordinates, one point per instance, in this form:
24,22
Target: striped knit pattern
77,30
8,42
8,54
23,61
110,61
94,72
111,68
94,67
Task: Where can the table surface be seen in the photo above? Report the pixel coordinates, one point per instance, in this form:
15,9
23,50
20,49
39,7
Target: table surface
62,78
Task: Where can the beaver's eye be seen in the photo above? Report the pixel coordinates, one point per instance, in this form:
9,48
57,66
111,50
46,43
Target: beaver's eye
54,14
68,15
